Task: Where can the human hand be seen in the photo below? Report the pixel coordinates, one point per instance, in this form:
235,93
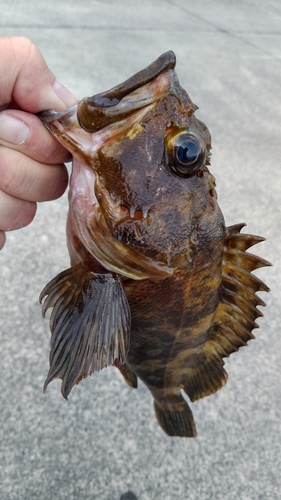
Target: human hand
31,160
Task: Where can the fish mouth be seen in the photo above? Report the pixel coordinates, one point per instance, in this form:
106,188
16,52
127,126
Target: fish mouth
139,90
124,119
120,104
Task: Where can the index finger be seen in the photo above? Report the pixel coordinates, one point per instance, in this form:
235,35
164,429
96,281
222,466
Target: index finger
26,78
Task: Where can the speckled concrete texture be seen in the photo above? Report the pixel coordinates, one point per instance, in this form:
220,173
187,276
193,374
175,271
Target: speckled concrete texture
104,443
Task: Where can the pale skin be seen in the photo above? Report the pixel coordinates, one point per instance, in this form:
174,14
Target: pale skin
31,160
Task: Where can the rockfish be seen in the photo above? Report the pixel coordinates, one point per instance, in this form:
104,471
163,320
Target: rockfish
158,285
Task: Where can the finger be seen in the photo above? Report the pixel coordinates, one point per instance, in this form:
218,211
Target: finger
26,77
27,179
15,213
26,133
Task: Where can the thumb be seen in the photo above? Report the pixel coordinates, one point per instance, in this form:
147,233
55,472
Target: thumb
26,79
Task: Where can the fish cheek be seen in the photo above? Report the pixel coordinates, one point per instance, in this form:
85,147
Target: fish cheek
128,166
119,176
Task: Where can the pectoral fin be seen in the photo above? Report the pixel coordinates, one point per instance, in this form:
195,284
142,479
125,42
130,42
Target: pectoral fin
90,324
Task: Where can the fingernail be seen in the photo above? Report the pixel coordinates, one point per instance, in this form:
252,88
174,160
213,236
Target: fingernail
64,94
12,130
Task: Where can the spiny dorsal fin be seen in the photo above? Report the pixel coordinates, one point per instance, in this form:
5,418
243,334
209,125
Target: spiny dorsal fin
235,314
237,311
90,324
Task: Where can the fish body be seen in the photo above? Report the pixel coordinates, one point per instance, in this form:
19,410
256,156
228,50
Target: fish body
158,286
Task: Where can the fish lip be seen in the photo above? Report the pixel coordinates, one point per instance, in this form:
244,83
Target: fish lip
113,96
93,118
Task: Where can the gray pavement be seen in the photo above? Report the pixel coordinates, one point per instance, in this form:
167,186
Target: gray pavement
105,444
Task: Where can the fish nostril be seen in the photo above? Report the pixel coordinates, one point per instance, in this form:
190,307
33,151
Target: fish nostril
132,213
139,215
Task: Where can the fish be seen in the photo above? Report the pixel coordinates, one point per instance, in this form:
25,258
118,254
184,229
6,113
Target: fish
158,286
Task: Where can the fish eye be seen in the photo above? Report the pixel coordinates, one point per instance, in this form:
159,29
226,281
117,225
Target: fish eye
186,152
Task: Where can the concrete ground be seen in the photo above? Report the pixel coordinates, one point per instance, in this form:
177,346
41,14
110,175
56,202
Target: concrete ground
105,444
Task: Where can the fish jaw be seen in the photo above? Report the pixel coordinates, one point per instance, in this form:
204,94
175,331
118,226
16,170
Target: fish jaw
68,129
93,118
119,120
105,104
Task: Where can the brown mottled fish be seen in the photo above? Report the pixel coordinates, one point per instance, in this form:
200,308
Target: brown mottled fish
158,286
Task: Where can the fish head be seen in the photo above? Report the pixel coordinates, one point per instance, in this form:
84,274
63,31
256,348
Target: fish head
142,200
